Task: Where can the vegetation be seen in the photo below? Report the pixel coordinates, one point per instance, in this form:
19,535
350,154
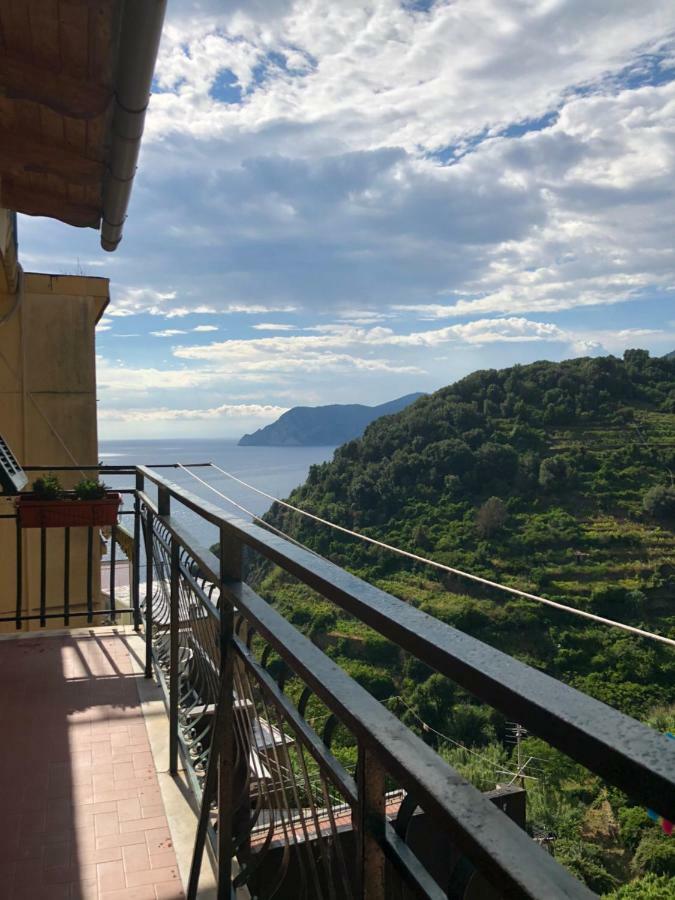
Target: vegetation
90,489
48,487
553,477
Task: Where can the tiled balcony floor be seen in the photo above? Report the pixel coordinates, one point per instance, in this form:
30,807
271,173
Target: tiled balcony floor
81,814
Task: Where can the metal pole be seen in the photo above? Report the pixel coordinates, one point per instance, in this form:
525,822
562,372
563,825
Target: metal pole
222,753
113,564
173,664
19,573
66,577
90,575
148,593
230,568
135,563
370,821
43,576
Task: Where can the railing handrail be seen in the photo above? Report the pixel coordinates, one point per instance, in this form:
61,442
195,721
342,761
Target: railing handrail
625,752
499,848
479,826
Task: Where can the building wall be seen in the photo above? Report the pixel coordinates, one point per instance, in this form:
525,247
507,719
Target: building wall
48,417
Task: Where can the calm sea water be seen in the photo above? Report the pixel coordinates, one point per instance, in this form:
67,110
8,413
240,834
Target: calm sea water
276,470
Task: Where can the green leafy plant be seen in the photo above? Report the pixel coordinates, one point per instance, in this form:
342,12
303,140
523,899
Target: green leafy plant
90,489
48,487
651,887
655,853
659,502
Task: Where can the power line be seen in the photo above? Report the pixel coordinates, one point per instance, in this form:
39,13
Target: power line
429,728
247,511
431,562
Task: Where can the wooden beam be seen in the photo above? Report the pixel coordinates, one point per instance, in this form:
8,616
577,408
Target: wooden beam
72,97
23,153
24,198
9,264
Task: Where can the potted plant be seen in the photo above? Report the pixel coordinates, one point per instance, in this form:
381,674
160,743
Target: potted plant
90,504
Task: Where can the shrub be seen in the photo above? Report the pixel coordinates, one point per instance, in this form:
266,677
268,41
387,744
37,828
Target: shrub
659,502
48,487
609,599
655,853
90,489
651,887
491,516
585,862
553,472
633,822
472,725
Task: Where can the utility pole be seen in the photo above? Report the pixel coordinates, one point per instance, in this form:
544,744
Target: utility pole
516,733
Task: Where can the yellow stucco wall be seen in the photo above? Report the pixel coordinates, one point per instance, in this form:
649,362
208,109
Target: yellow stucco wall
48,415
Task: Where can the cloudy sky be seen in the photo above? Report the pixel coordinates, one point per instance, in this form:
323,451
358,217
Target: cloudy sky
346,202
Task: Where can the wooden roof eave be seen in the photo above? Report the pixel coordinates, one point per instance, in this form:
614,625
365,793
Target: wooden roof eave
57,69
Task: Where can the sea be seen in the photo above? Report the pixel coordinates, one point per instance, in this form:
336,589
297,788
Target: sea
275,470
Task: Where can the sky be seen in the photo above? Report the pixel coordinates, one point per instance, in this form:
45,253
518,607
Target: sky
347,202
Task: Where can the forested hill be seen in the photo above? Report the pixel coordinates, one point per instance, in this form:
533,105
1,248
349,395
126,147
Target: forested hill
558,478
323,426
555,477
584,438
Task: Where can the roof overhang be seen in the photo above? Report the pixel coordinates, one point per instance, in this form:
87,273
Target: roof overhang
75,78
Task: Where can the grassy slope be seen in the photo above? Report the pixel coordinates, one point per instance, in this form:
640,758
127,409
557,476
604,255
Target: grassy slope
574,530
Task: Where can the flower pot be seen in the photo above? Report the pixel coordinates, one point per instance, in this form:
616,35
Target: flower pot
36,512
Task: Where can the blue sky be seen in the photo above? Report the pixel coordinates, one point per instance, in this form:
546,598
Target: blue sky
343,202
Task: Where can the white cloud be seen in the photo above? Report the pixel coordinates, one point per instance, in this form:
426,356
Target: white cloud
371,74
172,332
147,299
134,301
482,165
298,351
168,332
226,411
122,379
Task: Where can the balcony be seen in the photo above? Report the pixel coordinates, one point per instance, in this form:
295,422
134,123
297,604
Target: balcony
250,712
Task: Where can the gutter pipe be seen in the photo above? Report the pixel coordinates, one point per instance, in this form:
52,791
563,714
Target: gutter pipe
141,31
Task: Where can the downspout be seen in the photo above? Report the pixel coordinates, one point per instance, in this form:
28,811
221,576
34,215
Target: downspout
141,30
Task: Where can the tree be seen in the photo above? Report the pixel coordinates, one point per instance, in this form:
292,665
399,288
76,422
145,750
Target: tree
553,472
659,502
491,516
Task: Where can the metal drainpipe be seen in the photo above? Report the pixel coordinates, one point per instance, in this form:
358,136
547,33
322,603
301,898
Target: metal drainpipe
139,42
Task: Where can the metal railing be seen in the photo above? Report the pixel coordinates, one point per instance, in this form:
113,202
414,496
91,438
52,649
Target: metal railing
358,807
76,598
280,811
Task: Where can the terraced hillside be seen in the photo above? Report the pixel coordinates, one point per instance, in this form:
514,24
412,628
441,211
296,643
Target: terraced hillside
557,478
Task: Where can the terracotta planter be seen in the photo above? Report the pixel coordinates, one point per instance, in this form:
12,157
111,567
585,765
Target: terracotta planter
35,512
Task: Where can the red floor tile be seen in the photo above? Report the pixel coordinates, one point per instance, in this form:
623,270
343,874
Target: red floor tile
82,815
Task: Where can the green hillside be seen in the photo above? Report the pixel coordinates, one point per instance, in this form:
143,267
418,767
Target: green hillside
557,478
